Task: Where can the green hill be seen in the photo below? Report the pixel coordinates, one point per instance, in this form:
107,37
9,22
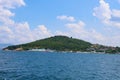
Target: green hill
58,43
64,43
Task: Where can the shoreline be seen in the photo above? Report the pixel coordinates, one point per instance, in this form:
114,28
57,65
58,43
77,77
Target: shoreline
39,50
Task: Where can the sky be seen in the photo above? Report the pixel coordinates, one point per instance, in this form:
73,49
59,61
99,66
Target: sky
96,21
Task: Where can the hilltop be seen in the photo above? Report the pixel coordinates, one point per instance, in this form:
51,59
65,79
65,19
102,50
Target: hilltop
64,43
58,43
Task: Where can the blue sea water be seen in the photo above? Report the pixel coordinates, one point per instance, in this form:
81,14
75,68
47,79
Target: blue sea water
26,65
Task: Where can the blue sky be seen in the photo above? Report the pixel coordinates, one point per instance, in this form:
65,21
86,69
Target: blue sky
43,12
96,21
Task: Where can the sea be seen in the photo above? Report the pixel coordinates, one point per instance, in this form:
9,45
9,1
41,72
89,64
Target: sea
33,65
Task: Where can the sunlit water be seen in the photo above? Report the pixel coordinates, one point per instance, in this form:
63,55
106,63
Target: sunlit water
58,66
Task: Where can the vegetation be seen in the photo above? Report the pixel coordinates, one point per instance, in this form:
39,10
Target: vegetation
64,43
58,43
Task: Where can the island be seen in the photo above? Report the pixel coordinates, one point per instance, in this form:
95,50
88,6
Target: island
63,43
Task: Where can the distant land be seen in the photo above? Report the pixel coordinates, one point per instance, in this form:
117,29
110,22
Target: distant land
3,46
63,43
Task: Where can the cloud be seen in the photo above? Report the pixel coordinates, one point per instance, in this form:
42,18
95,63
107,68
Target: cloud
5,13
41,32
11,3
67,18
17,32
76,26
116,13
78,30
106,14
5,16
91,35
103,12
21,33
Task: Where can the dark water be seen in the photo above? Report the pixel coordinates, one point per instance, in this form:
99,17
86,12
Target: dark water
58,66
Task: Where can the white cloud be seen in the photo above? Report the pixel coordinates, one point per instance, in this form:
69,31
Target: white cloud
103,12
116,13
11,3
79,31
5,13
17,32
5,34
5,16
67,18
41,32
21,33
107,15
76,26
43,29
